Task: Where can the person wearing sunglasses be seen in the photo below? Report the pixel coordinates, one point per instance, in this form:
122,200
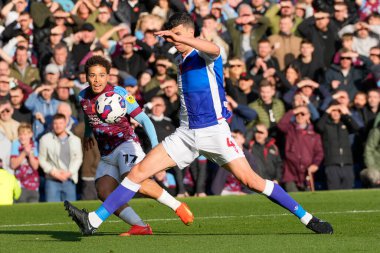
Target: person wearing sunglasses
8,126
303,148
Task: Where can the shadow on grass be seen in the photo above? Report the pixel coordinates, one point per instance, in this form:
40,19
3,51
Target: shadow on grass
69,236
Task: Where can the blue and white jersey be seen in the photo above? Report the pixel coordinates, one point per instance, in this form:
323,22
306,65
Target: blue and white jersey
200,83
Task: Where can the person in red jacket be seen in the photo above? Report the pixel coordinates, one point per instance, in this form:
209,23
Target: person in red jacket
303,148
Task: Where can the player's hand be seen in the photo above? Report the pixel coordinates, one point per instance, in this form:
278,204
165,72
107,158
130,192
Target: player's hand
169,36
88,143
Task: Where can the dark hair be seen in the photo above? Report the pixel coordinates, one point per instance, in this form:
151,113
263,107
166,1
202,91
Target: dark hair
209,16
179,18
59,116
61,45
263,40
306,41
97,60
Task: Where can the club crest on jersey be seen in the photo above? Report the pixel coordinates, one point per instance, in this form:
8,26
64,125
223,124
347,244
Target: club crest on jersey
130,99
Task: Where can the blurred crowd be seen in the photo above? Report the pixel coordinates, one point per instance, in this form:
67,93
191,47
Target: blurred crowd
302,79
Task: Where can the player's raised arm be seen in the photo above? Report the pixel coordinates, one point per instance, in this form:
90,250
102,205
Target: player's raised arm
180,32
202,45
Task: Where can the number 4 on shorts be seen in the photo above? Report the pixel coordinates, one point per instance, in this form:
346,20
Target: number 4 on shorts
231,144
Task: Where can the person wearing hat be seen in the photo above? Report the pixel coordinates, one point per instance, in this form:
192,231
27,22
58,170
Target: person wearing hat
82,42
130,84
245,92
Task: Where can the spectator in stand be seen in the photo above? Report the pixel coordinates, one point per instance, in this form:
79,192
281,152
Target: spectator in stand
10,82
262,61
209,31
345,76
303,149
276,11
286,46
41,102
23,26
63,60
365,36
241,115
22,70
128,12
269,109
163,71
9,187
235,67
314,93
5,152
246,30
341,16
100,19
64,92
323,34
163,9
310,66
266,154
42,11
128,60
371,175
335,126
8,126
24,161
164,127
60,158
171,97
65,109
20,112
83,9
130,84
82,42
12,10
367,8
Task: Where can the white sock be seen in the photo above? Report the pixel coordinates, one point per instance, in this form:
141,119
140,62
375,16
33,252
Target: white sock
94,219
131,217
168,200
306,218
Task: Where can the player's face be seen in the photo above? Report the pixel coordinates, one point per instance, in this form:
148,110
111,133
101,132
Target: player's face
97,78
183,31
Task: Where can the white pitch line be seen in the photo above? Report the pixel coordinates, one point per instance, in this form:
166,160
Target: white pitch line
198,218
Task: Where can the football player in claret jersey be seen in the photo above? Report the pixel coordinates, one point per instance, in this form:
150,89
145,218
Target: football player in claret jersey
120,149
203,130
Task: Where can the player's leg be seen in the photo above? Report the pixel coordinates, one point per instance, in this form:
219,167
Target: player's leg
179,147
104,187
218,145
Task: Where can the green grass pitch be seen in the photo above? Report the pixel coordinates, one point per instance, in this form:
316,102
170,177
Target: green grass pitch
222,224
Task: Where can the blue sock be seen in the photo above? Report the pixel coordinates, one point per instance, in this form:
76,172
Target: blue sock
120,196
276,194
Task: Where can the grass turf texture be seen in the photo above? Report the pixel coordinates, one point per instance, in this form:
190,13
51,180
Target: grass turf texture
222,224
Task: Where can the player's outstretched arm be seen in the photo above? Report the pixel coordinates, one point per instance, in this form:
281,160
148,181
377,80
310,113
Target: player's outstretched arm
148,126
205,46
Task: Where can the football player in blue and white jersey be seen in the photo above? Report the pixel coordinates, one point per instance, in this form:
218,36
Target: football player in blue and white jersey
203,131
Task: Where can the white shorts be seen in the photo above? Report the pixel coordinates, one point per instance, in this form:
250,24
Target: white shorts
120,161
214,142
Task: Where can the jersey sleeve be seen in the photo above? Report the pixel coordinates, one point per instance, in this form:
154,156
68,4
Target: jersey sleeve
208,57
133,108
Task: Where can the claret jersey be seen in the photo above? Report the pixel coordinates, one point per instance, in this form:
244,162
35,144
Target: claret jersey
109,136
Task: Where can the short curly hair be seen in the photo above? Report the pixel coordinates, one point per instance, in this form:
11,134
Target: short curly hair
97,61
